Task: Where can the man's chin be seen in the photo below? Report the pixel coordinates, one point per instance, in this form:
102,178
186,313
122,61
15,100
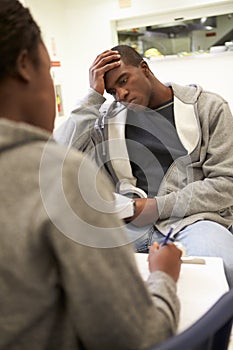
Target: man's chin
134,106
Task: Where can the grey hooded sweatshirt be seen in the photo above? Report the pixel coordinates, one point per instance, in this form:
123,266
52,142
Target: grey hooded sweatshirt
68,278
197,186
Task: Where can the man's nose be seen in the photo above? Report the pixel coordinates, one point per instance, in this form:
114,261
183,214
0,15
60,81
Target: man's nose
121,94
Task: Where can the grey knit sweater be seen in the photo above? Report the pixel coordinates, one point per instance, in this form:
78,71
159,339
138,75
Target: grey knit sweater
68,278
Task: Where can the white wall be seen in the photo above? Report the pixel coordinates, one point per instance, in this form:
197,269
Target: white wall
84,29
49,16
81,31
88,31
214,72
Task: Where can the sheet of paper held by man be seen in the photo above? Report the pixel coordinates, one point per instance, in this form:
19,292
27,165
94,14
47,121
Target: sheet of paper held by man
124,206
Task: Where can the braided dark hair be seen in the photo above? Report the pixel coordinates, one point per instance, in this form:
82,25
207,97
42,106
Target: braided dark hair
18,31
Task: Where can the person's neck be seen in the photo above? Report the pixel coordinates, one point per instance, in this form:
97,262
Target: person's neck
10,100
161,95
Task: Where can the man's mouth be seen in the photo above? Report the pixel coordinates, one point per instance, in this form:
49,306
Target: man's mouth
133,105
131,101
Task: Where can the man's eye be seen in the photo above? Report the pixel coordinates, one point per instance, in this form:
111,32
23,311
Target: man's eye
123,81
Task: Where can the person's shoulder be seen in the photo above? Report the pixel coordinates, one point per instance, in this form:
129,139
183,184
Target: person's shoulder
213,96
187,93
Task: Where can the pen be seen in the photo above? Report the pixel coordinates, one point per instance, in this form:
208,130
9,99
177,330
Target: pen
167,236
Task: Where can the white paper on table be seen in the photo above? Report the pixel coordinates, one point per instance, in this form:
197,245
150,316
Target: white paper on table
124,206
199,286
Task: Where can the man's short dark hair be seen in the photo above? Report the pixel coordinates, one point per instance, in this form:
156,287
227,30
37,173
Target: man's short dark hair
18,31
128,55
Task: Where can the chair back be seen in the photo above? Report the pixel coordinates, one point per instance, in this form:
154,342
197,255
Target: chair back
210,332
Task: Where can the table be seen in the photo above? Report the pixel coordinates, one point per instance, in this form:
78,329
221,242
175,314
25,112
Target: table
199,286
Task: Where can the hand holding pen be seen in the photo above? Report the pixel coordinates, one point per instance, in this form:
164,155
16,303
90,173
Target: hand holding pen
165,257
168,235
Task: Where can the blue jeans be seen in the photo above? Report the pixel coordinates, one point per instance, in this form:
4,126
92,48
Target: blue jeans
203,238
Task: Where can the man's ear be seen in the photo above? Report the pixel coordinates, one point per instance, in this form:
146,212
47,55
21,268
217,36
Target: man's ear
145,67
24,66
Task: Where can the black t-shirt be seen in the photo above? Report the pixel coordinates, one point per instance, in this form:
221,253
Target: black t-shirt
153,145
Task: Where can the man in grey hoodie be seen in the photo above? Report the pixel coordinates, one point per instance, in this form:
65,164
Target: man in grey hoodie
68,278
169,145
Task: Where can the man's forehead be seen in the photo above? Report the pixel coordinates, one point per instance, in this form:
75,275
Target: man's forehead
112,76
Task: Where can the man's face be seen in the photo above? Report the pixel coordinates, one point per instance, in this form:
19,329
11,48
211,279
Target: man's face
129,84
42,108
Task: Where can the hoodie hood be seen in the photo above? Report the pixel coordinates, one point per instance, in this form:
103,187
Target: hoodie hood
188,93
14,134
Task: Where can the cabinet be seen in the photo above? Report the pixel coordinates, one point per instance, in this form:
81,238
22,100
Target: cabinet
179,37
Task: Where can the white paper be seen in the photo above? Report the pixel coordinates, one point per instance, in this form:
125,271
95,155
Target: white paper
124,206
199,286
